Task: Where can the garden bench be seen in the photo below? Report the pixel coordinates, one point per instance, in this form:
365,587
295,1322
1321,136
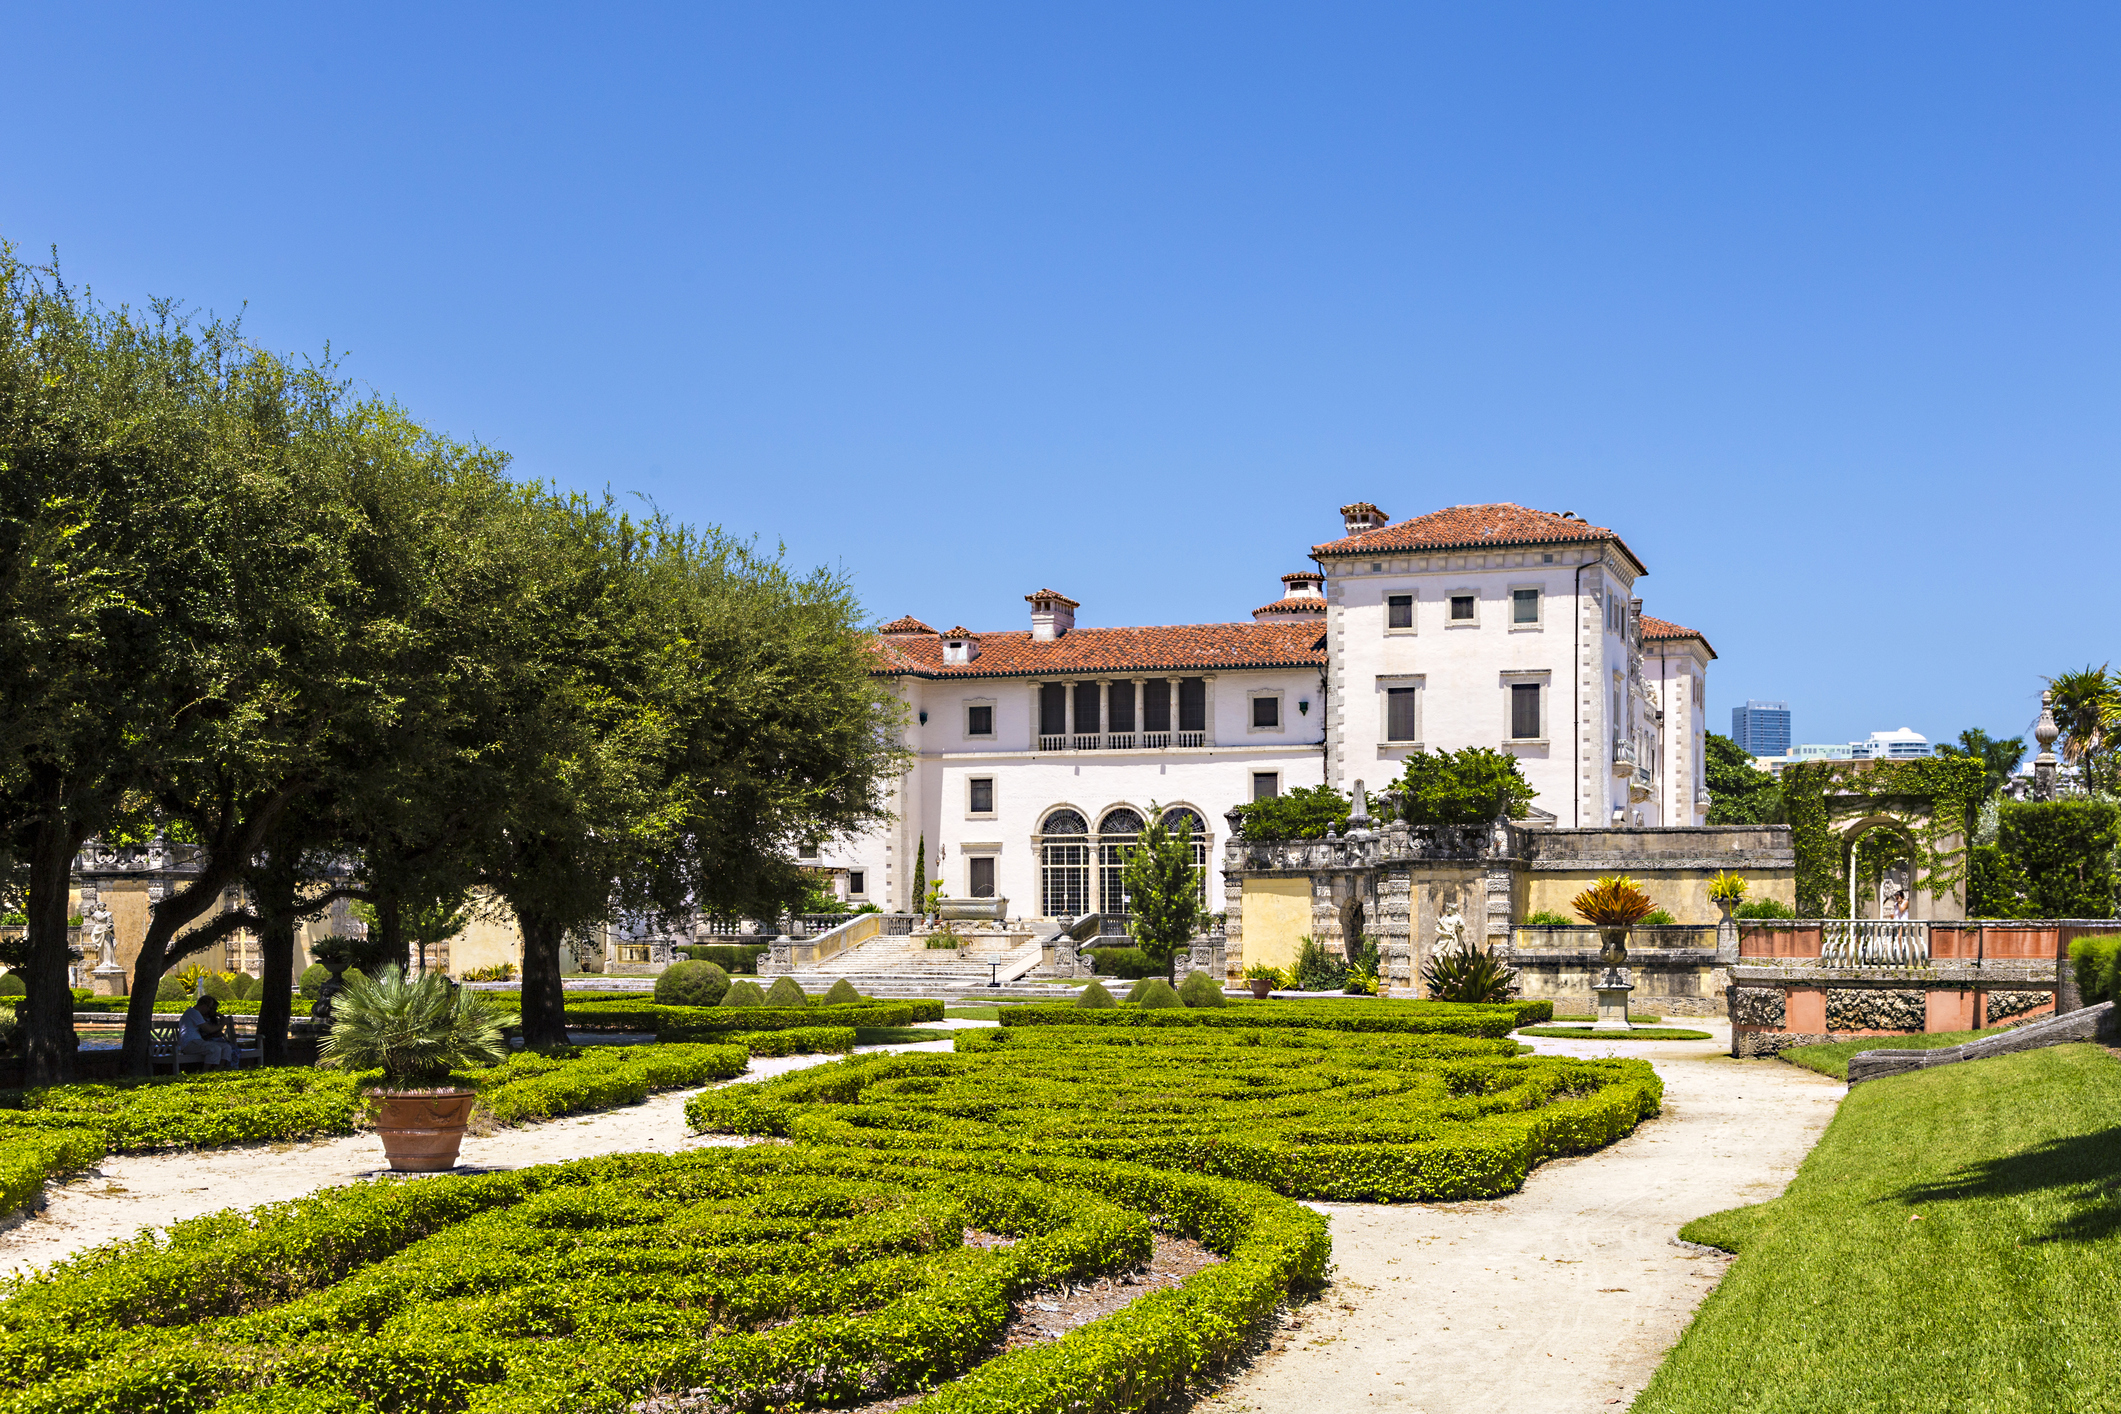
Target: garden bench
162,1046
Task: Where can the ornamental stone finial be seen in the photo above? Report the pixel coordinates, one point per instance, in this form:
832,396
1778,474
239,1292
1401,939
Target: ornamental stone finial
2045,731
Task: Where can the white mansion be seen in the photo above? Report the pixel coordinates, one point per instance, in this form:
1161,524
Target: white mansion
1040,750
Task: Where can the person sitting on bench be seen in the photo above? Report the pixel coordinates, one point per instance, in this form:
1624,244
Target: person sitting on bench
202,1037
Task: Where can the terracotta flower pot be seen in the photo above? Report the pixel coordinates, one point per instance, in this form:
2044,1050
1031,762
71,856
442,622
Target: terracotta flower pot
1260,987
422,1129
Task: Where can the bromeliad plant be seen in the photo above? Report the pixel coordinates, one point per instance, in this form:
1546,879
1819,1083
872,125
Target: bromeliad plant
1615,904
415,1030
1727,889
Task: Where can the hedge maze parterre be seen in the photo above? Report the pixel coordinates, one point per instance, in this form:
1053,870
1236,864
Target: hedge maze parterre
1315,1114
744,1279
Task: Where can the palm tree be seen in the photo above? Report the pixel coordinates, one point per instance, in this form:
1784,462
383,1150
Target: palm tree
2086,704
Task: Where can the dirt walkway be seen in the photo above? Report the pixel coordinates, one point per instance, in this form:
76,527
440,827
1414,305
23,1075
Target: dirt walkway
128,1192
1562,1297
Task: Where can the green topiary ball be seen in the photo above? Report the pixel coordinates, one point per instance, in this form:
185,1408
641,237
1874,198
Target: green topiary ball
784,992
743,993
842,994
1199,989
312,978
12,986
691,984
1156,992
218,987
1095,996
169,989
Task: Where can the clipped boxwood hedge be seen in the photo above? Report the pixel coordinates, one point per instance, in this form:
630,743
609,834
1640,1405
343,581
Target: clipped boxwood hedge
788,1278
62,1128
678,1023
1415,1018
1315,1114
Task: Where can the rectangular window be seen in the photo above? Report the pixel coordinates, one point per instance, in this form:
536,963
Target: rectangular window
1086,710
980,796
1120,707
1266,711
1524,710
1192,704
979,721
1399,611
1524,606
1400,723
1461,608
1156,705
1052,709
1265,785
981,871
806,851
857,883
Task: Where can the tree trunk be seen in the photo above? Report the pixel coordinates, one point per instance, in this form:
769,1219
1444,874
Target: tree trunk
276,943
47,1011
544,1003
390,930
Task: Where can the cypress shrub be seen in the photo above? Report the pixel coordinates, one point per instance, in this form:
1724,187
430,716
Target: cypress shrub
841,993
691,984
743,993
1094,995
1156,992
1199,989
785,992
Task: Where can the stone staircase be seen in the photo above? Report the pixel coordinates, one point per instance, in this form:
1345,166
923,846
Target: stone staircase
906,967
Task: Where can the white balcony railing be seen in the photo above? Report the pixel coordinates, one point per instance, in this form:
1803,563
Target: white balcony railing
1088,741
1155,741
1119,741
1192,738
1874,942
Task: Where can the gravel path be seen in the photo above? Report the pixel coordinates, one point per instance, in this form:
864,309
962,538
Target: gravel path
128,1192
1562,1297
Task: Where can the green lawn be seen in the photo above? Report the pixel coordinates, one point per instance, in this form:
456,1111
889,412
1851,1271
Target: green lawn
1952,1246
1833,1058
972,1013
1640,1033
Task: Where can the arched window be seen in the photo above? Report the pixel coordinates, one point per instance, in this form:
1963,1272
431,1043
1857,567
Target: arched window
1116,834
1181,815
1064,865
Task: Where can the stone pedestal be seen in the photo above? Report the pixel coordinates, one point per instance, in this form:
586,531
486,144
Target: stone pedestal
108,981
1613,990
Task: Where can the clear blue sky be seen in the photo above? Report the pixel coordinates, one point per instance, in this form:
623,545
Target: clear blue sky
1816,304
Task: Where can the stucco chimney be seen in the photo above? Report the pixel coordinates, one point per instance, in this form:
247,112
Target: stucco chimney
1361,516
1052,614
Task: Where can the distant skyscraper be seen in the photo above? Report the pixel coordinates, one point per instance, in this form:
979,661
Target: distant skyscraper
1762,728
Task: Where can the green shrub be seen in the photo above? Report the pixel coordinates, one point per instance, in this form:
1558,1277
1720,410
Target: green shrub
214,985
1305,813
12,985
1094,995
742,994
1156,992
416,1030
1763,908
798,1041
169,989
785,992
1123,962
1471,786
1548,918
793,1277
675,1025
730,957
1412,1018
2097,963
691,984
1134,993
313,977
1312,1114
1199,989
530,1086
1657,918
83,994
841,993
1317,970
243,987
1467,974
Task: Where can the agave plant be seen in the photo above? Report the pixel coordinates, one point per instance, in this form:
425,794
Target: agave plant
1613,902
1467,975
415,1030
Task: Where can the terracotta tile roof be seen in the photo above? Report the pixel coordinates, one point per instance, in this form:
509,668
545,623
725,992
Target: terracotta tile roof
906,624
1653,628
1295,604
1179,649
959,632
1469,527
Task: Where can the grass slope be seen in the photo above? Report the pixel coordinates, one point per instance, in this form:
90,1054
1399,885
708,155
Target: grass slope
1952,1246
1832,1058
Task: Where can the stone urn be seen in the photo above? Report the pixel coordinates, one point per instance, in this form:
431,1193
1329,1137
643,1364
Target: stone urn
422,1130
1614,950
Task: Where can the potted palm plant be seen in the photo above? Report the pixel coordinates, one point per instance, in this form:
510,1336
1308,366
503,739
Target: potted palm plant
415,1031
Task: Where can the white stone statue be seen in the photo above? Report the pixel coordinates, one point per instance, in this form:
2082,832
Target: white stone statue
1450,932
102,936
